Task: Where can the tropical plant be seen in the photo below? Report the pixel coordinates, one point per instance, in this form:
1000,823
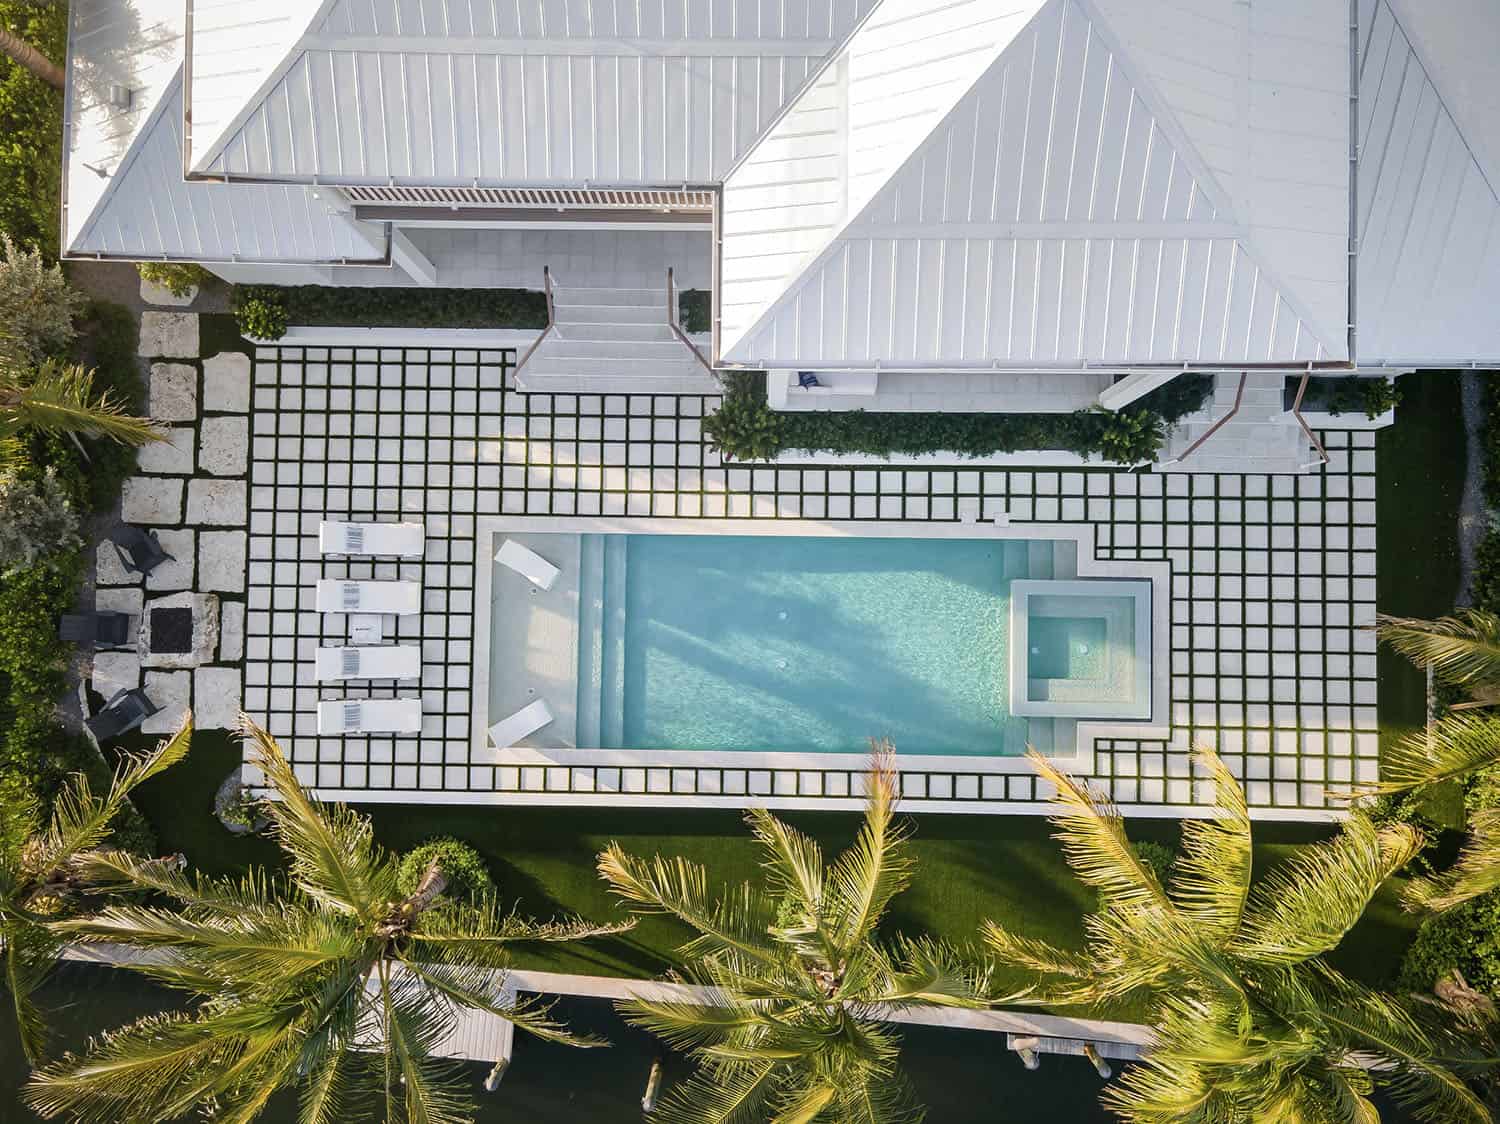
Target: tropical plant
261,311
788,1025
1463,650
37,305
53,873
326,980
1251,1023
468,878
1131,436
177,277
37,519
744,427
59,398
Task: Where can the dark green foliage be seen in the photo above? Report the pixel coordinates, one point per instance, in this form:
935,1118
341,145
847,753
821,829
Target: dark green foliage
468,878
261,311
1466,937
417,308
176,277
1349,395
695,310
31,130
745,428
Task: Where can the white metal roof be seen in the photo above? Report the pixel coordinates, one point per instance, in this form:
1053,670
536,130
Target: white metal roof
1059,214
614,92
1428,278
125,191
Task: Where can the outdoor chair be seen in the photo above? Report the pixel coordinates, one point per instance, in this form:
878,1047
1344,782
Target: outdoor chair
103,628
139,550
126,710
528,563
370,716
405,540
336,595
387,661
522,724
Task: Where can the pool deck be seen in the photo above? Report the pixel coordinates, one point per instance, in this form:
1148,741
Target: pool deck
1271,579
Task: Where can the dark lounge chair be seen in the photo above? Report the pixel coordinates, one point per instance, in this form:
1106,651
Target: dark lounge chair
103,629
123,713
139,550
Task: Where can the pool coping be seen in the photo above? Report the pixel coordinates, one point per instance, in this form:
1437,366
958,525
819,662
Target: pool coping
488,527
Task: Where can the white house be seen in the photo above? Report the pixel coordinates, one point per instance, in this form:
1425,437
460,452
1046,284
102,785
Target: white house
955,197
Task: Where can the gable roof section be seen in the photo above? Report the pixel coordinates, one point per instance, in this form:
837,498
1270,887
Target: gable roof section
466,92
1059,214
1428,276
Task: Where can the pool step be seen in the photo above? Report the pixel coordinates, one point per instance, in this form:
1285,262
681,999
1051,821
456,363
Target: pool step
1014,559
612,656
1065,559
590,637
1039,558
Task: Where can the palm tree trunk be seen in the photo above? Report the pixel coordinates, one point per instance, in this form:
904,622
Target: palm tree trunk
400,919
24,54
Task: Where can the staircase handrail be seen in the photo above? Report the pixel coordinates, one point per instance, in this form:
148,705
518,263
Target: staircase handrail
1239,394
1297,413
551,318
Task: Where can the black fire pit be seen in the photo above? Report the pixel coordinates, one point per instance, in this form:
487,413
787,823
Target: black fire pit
171,631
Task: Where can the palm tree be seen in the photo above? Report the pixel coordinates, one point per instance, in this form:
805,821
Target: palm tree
1251,1022
59,398
1464,650
788,1027
51,873
327,981
24,54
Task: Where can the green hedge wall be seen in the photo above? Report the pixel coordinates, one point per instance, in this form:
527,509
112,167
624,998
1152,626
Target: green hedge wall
421,308
31,129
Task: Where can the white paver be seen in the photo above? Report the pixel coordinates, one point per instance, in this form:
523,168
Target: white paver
152,293
120,599
232,631
216,697
173,692
226,383
171,335
174,392
172,456
177,571
152,500
109,570
116,671
221,561
224,446
216,503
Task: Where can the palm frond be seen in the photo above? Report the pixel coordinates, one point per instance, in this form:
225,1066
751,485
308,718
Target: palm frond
1211,878
489,922
30,952
1463,649
805,1106
877,1098
1093,839
876,867
80,819
468,986
1303,907
325,1097
738,922
1453,747
334,857
794,866
690,1026
932,973
431,1092
724,1094
1035,955
60,398
1476,872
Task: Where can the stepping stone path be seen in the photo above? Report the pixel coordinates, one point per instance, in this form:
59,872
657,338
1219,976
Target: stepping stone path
152,293
187,492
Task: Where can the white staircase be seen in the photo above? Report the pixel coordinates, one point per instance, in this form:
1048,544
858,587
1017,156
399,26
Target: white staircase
611,341
1262,437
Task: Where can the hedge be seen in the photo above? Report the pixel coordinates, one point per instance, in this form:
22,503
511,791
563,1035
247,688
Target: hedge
382,307
744,427
31,129
468,878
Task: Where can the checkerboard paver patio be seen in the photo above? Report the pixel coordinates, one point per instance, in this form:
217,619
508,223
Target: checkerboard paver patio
1272,577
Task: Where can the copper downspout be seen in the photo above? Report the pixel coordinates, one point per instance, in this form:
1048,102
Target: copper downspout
1297,413
1239,393
677,328
551,319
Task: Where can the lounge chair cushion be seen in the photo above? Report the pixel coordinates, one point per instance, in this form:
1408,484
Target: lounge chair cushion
523,723
528,563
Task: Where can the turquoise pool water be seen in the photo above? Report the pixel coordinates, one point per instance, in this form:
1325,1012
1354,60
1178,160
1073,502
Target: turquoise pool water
798,644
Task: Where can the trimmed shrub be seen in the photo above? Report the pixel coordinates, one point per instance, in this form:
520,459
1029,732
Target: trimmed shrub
418,308
1466,937
468,878
261,311
744,427
37,305
177,277
695,310
1349,395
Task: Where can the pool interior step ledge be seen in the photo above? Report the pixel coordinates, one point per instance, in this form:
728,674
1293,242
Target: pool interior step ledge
601,641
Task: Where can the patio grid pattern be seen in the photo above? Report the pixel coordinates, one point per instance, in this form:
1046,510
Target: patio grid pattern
1272,579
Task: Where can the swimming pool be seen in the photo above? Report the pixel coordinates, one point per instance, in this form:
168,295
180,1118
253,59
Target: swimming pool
782,643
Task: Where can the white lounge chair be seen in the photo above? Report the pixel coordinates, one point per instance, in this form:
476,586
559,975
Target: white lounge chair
370,716
338,596
528,563
523,723
383,662
403,539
